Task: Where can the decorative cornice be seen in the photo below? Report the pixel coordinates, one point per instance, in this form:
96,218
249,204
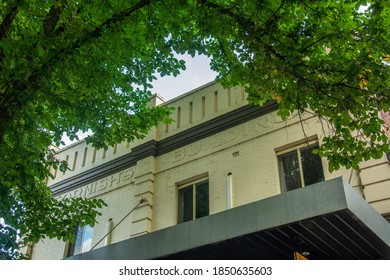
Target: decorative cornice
157,148
213,126
93,174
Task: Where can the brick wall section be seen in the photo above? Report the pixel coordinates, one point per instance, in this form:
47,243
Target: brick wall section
386,117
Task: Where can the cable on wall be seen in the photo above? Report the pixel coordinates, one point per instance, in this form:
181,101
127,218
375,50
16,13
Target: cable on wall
139,203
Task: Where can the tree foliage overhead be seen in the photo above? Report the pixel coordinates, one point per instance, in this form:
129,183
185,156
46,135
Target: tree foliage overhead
71,65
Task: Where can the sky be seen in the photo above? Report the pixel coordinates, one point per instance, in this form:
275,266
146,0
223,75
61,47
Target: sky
197,73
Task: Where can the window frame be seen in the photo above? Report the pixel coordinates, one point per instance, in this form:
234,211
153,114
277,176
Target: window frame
74,249
297,148
192,184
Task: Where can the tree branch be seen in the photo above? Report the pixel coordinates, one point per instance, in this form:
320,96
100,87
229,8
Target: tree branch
273,17
88,36
224,51
52,18
229,12
18,86
60,29
313,43
314,10
8,19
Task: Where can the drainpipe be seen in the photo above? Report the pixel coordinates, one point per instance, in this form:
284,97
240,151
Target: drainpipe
107,239
361,186
229,190
360,183
26,249
30,247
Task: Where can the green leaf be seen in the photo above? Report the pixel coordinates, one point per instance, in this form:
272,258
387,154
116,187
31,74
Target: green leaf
91,67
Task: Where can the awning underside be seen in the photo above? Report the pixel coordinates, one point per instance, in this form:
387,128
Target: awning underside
335,236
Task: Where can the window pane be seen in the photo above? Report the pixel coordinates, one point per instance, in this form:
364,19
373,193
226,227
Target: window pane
185,204
79,240
87,240
202,199
312,166
83,241
289,171
72,246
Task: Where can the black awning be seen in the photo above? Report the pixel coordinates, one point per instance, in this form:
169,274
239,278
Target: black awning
334,236
328,220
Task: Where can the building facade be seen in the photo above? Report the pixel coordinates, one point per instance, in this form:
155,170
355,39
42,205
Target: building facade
225,180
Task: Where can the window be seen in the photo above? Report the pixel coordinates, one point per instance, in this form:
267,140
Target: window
300,167
83,241
193,200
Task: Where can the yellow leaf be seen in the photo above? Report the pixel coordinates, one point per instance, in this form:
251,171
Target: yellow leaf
277,97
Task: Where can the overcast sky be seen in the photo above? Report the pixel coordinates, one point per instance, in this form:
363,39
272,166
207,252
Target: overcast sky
197,73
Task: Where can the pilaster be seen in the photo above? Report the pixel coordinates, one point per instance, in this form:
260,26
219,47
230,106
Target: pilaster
144,189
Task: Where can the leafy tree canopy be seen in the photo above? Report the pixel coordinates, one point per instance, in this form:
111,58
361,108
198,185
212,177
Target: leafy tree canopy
71,65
